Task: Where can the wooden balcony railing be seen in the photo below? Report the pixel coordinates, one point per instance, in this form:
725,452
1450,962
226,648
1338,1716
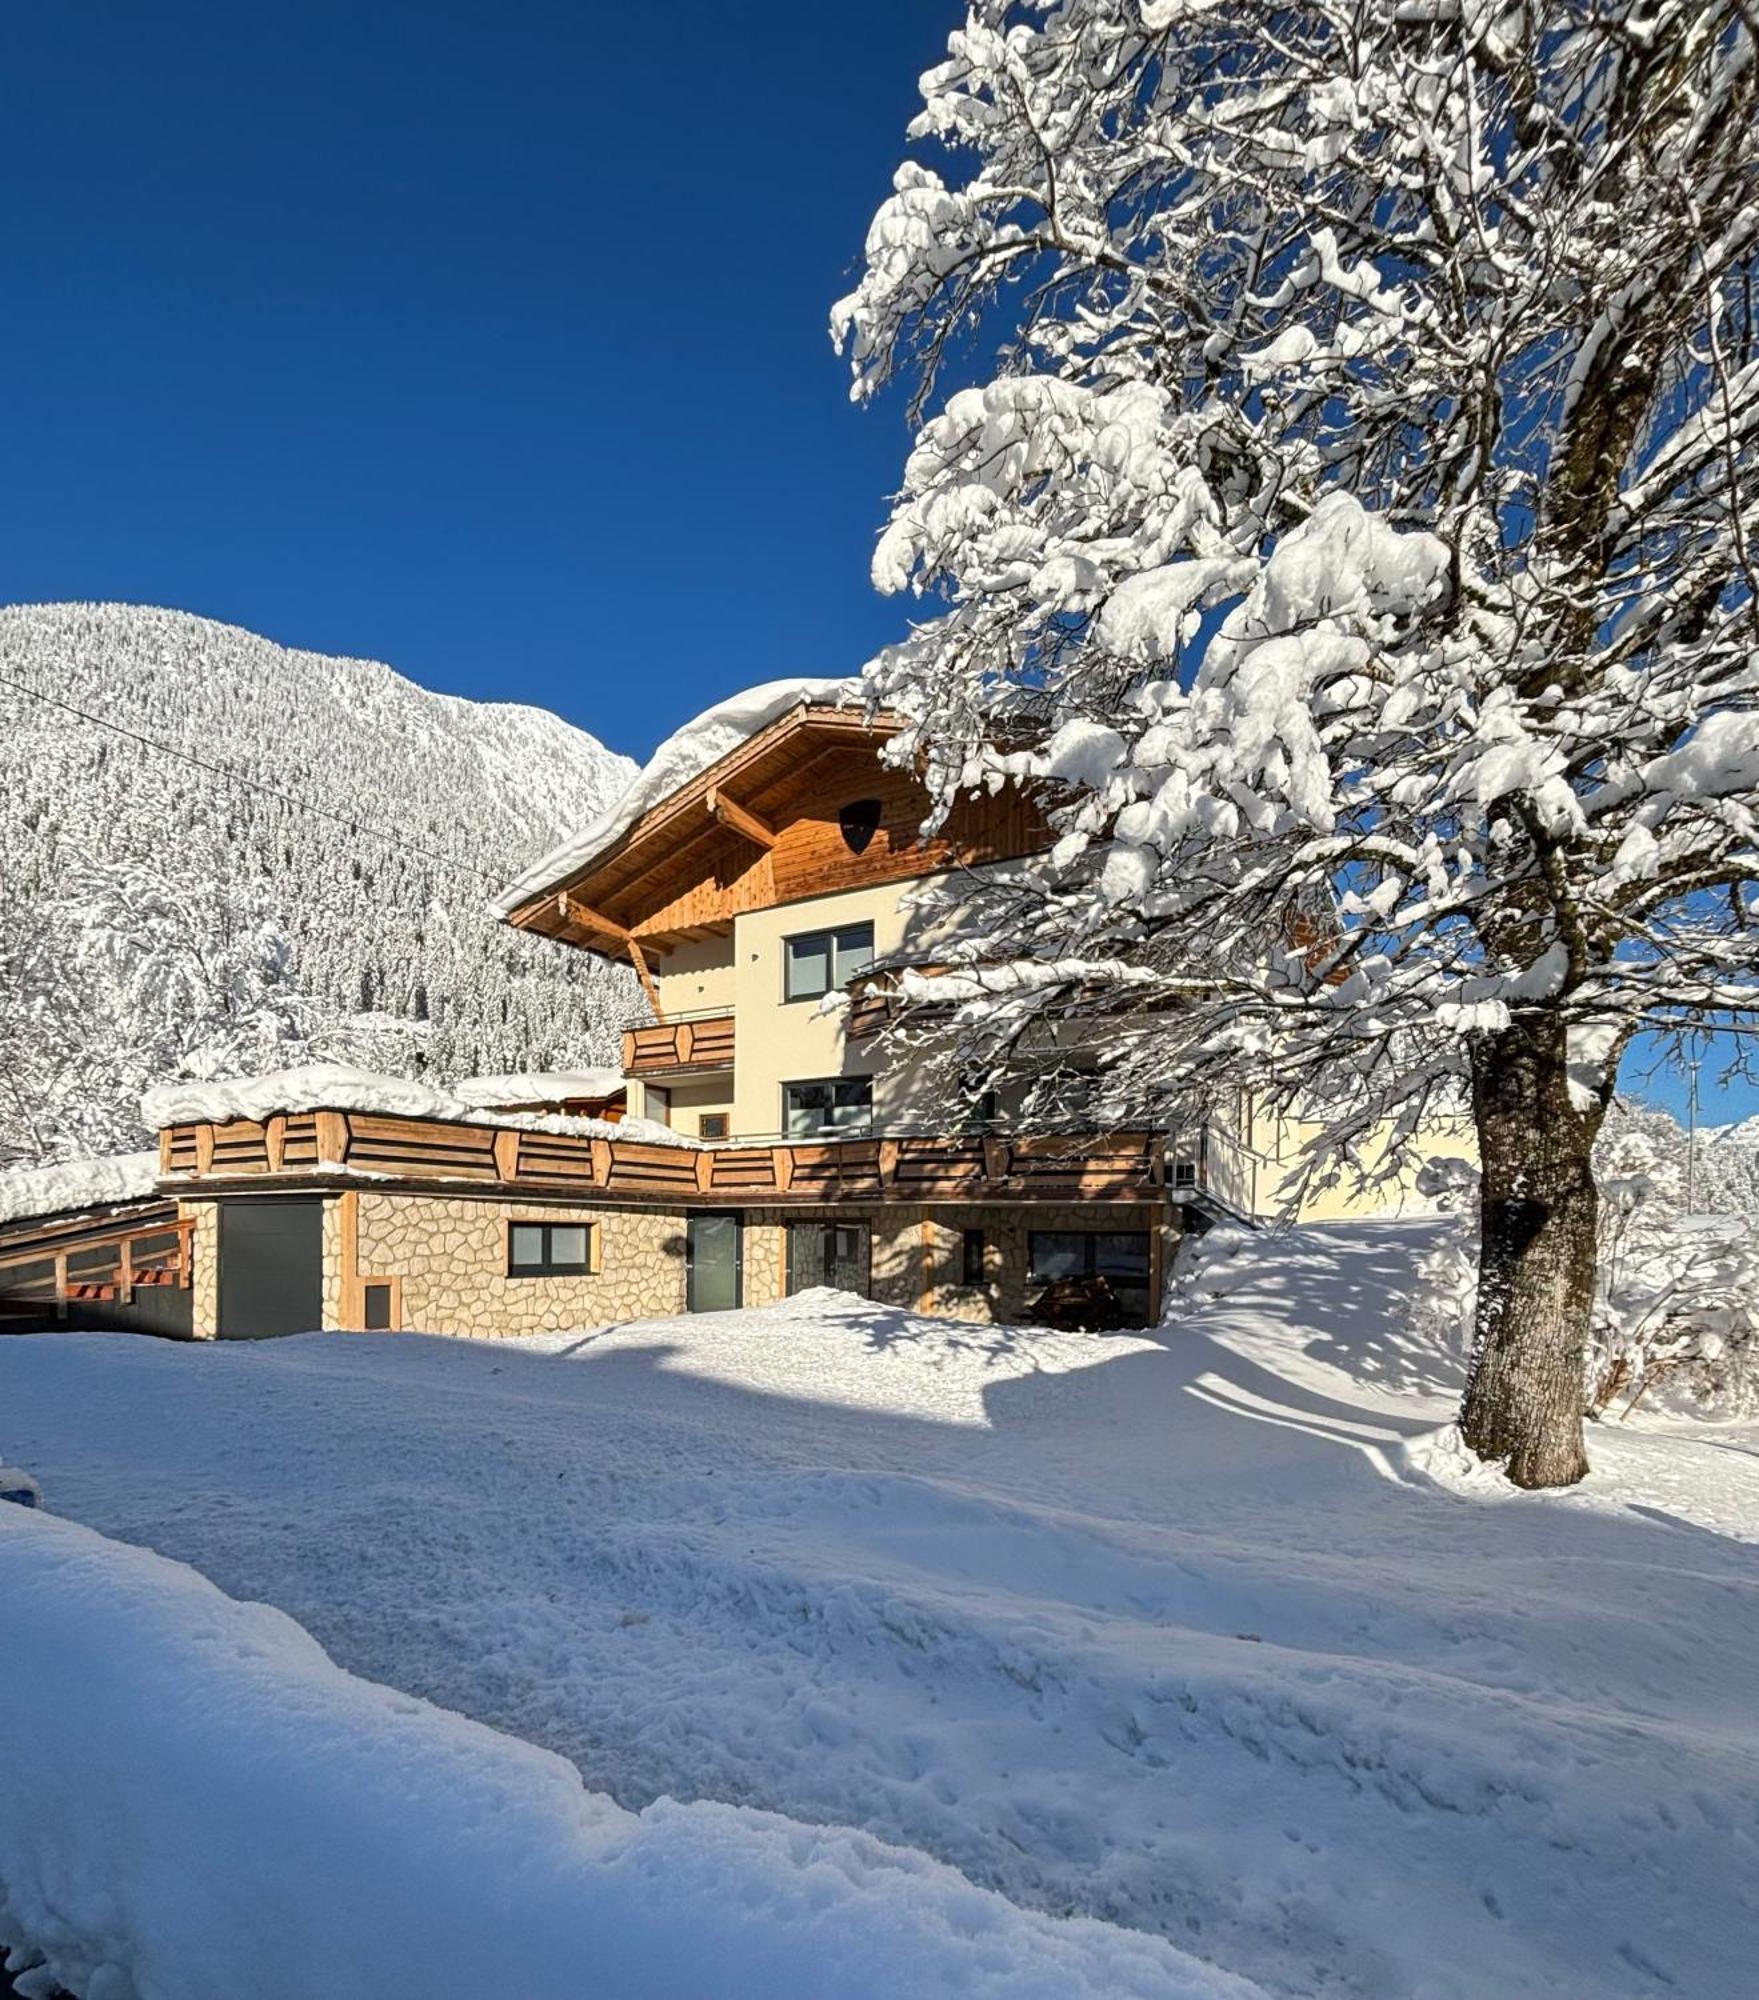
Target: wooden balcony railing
1113,1166
86,1259
692,1043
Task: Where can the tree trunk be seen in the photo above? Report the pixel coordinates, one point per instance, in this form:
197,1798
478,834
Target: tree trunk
1536,1218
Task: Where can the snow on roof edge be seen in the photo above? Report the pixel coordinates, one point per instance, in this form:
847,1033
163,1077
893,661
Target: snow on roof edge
540,1086
684,755
338,1087
28,1192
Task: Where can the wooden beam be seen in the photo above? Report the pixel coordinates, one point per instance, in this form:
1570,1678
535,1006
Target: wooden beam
333,1138
350,1304
572,911
638,958
730,813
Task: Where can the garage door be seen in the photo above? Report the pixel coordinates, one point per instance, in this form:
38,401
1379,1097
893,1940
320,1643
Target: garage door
271,1267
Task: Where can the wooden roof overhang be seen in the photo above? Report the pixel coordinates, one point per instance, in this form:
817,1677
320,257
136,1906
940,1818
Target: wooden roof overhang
692,861
774,821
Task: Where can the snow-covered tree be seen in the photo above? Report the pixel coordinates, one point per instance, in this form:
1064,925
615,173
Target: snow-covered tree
1677,1303
1336,485
128,977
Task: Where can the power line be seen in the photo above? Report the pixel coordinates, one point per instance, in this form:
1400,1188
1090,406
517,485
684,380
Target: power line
450,862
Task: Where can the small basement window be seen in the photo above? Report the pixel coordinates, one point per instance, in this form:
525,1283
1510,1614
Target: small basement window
552,1249
376,1305
971,1257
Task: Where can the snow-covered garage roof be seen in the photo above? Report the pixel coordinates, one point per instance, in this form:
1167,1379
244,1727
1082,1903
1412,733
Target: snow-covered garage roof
29,1192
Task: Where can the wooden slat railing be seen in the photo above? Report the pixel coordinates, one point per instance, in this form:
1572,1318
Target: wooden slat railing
91,1258
909,1167
705,1042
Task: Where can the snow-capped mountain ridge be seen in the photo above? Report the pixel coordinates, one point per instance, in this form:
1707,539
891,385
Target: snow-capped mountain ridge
225,922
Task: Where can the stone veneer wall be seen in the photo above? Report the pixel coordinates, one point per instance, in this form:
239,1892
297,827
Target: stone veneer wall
335,1261
918,1252
205,1250
451,1255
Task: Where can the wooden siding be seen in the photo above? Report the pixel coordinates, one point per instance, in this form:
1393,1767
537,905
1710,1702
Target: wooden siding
689,865
679,1045
1118,1166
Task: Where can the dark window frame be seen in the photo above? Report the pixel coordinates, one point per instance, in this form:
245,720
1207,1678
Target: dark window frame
833,1084
973,1258
550,1266
830,934
1090,1240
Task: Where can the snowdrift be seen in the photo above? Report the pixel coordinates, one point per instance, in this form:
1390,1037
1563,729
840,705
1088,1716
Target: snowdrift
198,1805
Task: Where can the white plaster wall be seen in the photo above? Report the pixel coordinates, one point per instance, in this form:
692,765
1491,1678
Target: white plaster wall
695,976
781,1041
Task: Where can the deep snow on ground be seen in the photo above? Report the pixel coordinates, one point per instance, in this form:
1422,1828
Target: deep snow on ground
310,1832
1199,1632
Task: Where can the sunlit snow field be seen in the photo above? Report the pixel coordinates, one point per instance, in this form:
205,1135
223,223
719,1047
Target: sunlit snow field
1197,1632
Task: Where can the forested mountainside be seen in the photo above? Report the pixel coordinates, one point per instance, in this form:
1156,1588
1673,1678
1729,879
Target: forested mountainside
158,920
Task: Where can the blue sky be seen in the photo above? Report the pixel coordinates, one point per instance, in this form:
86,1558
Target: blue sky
488,340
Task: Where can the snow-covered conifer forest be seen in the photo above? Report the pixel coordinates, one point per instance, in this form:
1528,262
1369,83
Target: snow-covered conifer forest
159,920
1337,475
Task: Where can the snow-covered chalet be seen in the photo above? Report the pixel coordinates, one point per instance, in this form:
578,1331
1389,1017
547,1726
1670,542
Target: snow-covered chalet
763,1137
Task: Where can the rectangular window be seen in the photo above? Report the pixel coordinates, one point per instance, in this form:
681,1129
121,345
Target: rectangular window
1119,1256
971,1257
552,1249
828,1104
821,962
376,1300
838,1254
712,1125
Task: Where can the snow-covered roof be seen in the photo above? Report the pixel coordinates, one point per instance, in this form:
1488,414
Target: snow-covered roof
71,1184
541,1086
684,755
338,1087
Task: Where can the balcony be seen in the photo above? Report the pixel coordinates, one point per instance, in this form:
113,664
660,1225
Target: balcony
1126,1166
686,1045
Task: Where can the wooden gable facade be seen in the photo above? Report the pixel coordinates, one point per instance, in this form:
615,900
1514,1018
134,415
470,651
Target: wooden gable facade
803,808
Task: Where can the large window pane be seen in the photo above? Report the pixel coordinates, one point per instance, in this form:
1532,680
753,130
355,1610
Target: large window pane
831,1104
852,1104
854,952
1121,1258
818,962
1121,1254
1058,1253
806,1108
525,1249
808,963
